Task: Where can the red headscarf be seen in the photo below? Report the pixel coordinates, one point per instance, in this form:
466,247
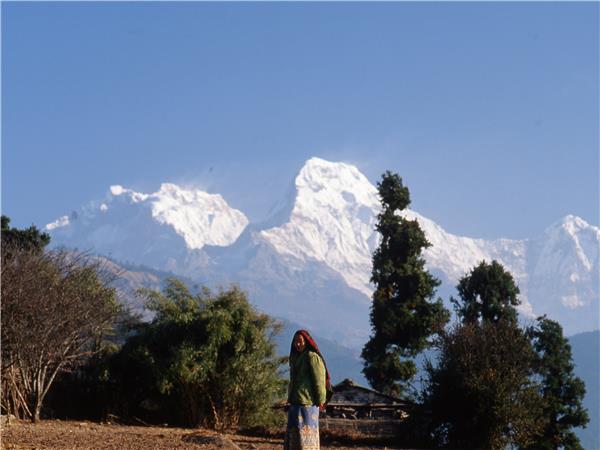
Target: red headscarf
312,345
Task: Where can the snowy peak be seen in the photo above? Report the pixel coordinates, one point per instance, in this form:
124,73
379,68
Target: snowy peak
581,237
571,227
573,224
331,221
324,186
158,229
570,248
201,218
322,183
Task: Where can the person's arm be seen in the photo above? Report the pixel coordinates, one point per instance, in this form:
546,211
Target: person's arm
317,370
290,385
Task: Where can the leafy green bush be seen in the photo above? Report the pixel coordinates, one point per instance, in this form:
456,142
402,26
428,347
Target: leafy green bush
206,359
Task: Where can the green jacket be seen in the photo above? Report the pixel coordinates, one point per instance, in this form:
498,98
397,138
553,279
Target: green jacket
307,379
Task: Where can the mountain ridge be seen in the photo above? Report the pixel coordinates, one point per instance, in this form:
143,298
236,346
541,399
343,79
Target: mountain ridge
322,233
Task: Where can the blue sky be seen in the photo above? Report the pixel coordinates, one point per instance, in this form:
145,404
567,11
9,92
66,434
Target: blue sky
489,111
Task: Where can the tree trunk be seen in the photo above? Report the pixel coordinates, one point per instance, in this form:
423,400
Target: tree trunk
35,418
36,403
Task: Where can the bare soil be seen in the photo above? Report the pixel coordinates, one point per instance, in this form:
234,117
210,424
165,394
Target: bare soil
56,434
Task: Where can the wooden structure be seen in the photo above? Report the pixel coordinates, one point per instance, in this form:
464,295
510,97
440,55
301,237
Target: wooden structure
352,401
355,407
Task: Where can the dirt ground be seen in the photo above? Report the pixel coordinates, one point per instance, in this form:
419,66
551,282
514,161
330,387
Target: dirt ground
56,434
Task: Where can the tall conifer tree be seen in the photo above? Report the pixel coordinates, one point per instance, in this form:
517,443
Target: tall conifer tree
404,313
487,294
485,366
562,391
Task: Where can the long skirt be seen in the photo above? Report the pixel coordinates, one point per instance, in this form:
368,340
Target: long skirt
302,431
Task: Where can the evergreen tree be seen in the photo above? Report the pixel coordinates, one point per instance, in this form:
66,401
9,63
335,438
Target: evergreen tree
28,240
481,394
562,391
403,313
487,293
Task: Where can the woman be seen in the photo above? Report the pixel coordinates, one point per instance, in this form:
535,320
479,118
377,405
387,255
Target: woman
308,392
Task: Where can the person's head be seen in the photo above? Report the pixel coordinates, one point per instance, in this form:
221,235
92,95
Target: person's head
299,342
303,340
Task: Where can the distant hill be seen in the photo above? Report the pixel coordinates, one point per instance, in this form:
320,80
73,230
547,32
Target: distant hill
586,355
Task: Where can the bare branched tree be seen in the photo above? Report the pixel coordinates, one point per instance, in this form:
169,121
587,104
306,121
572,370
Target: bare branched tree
55,306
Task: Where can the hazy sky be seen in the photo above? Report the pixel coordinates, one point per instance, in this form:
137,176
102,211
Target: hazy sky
489,111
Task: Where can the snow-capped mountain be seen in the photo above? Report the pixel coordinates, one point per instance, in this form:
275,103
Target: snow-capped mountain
310,261
563,274
331,220
166,229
